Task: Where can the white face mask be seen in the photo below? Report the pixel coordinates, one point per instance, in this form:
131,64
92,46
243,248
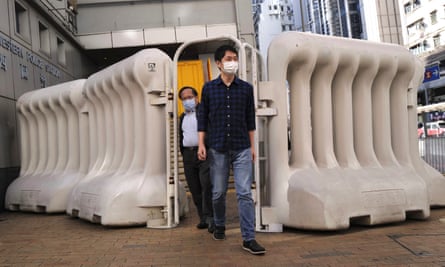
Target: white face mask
230,67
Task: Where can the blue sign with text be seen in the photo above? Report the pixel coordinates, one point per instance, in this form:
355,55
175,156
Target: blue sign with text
432,73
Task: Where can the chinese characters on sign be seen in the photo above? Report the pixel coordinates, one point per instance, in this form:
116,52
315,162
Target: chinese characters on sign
23,72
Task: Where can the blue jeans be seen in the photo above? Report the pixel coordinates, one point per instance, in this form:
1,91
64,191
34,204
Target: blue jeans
241,161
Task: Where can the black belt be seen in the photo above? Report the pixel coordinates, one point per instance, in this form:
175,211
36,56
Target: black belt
191,147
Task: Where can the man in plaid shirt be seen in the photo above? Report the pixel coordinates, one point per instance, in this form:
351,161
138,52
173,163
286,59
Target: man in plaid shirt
227,118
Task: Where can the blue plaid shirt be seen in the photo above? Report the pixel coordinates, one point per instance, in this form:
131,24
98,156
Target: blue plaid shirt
227,114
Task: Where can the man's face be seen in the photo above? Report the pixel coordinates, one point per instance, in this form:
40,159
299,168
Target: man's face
188,94
228,56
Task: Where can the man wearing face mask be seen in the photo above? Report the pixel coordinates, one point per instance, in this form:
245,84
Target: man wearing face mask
227,120
196,171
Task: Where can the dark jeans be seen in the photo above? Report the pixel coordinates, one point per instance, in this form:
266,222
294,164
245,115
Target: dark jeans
197,175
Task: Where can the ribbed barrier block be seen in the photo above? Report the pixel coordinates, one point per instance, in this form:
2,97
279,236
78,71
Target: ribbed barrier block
127,180
353,153
54,157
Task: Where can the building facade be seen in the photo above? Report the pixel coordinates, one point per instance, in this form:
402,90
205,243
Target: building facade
38,48
161,24
423,24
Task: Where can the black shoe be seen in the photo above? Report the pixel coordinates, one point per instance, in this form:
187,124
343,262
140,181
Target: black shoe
202,225
219,233
211,228
253,247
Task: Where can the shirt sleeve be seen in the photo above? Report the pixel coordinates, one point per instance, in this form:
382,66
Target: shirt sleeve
250,110
203,111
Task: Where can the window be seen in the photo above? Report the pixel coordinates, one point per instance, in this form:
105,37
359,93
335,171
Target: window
419,48
407,8
416,4
44,39
436,40
433,16
61,57
21,20
415,27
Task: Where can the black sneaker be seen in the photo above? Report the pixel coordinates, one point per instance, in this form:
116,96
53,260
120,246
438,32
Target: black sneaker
219,233
202,225
253,247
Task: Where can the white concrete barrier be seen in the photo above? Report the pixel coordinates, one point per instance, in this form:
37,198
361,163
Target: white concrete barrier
53,148
127,182
353,155
100,148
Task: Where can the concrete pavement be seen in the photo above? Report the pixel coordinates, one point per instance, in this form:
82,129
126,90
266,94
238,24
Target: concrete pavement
28,239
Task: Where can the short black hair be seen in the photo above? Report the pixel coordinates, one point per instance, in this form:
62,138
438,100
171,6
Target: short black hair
221,51
195,93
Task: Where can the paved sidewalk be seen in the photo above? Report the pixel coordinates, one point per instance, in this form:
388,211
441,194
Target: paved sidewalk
28,239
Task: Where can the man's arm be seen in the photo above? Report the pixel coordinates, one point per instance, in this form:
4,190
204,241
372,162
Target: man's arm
250,119
252,144
202,124
202,153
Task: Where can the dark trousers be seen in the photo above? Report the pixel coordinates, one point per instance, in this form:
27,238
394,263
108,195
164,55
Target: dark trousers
197,174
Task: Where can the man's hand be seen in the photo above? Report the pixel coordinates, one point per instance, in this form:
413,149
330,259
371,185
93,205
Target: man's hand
202,153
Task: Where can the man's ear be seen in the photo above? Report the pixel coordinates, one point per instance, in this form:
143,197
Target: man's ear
218,62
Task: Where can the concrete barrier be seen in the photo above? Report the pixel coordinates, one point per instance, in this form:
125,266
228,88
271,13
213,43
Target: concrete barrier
53,148
127,182
353,159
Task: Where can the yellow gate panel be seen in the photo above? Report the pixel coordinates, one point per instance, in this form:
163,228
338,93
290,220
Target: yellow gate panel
190,73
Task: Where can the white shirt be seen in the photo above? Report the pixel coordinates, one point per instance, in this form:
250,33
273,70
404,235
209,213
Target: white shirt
190,130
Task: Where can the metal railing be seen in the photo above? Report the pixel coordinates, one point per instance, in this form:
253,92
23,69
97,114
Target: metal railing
62,15
432,150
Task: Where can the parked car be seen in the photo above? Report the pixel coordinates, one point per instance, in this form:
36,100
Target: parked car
434,128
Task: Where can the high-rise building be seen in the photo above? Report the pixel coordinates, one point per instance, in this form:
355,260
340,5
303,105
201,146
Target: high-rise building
371,20
423,24
338,18
271,17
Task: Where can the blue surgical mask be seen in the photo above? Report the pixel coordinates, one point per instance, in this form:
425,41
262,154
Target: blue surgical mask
189,104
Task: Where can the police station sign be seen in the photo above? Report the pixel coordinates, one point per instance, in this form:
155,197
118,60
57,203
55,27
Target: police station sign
30,57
